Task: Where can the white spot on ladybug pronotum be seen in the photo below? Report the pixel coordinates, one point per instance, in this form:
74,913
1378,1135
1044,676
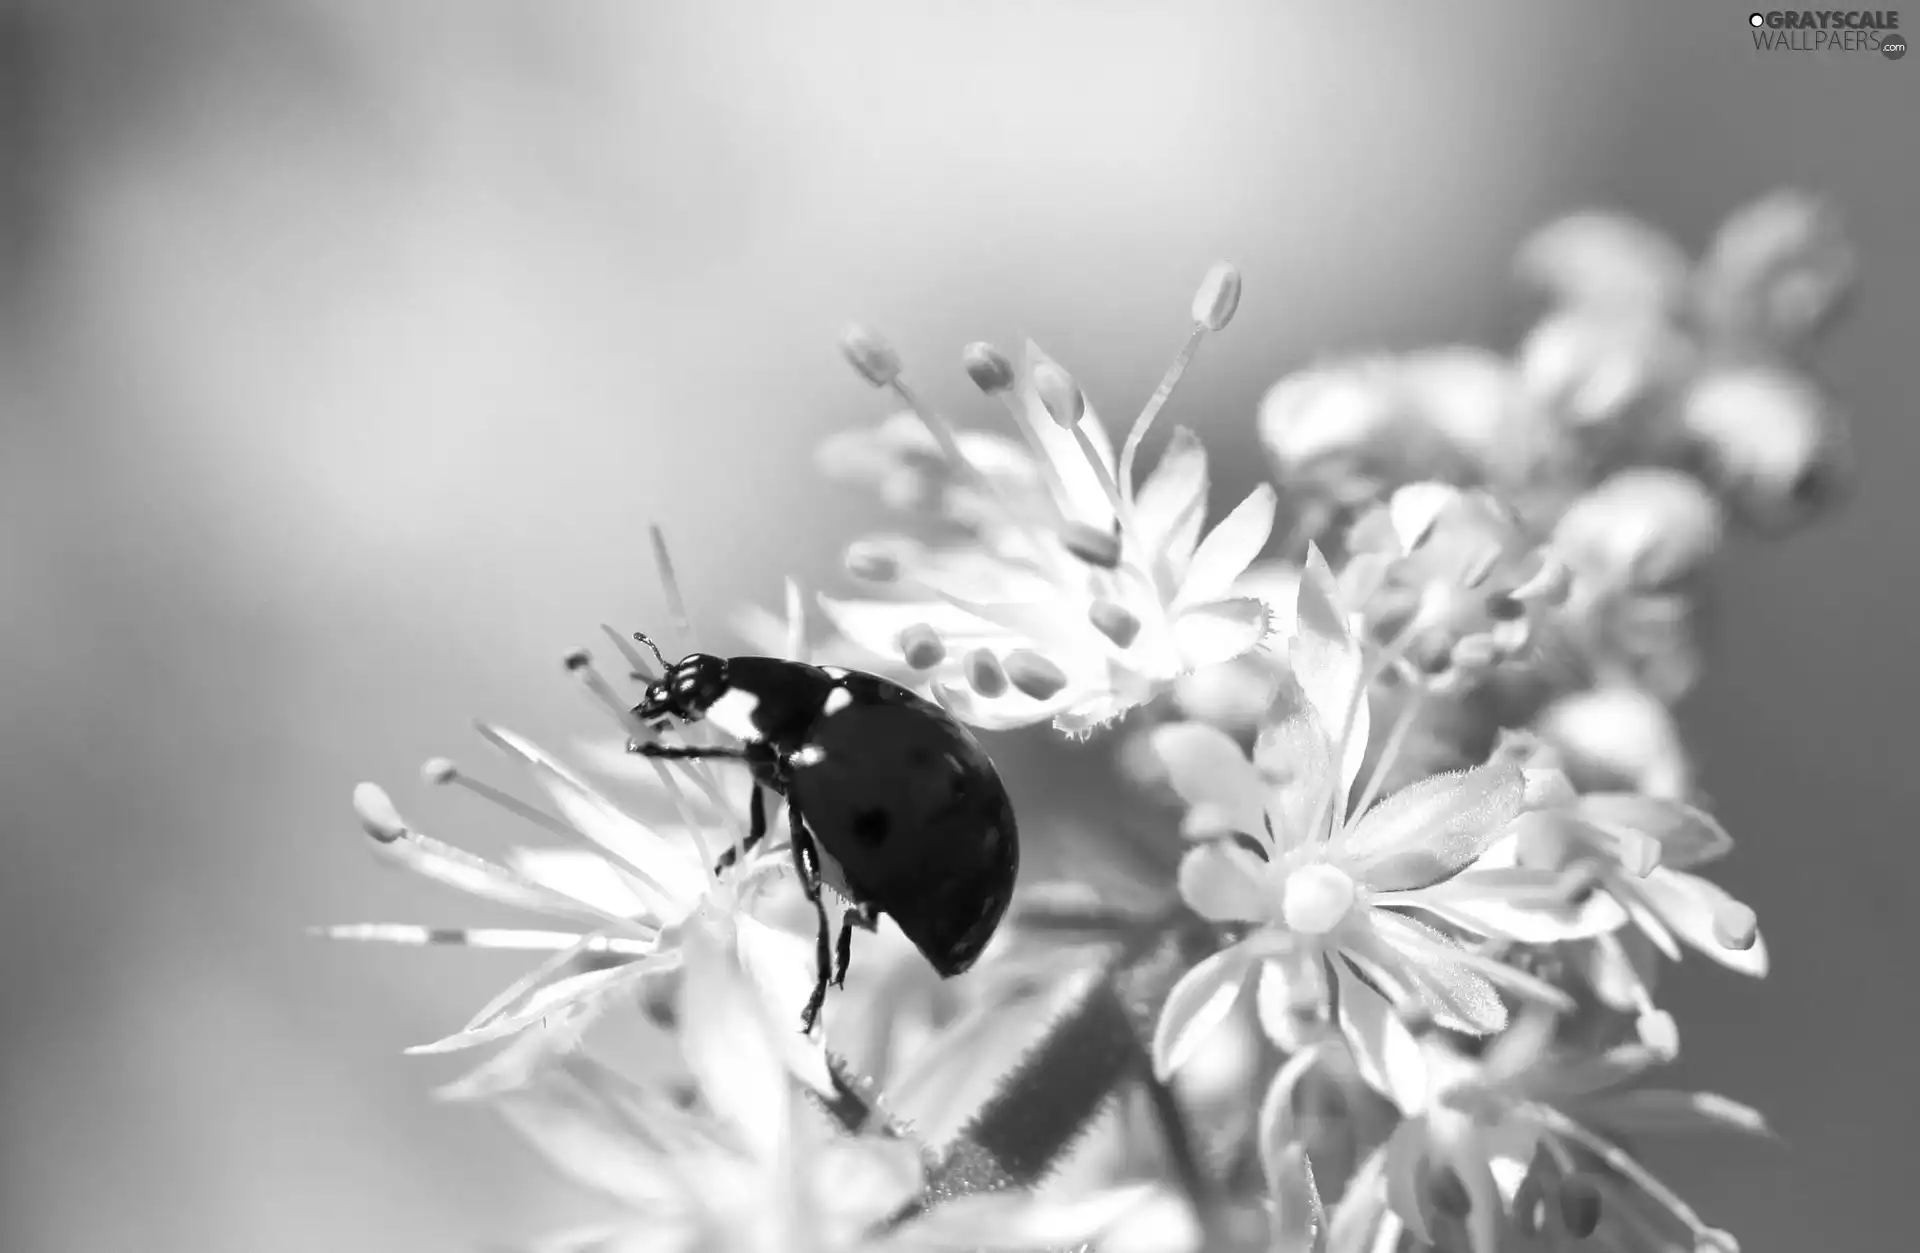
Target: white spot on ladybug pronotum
733,713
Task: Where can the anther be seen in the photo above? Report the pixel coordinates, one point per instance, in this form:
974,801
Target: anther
984,673
922,646
871,355
377,813
1091,544
1065,403
1034,675
1114,622
1735,925
1219,296
872,563
988,367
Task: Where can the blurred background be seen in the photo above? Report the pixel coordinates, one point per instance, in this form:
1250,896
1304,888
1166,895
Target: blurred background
347,348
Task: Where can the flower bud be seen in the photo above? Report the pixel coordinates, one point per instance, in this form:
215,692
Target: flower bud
871,355
1034,675
1599,259
1641,529
1618,737
984,673
922,647
1659,1032
1772,443
1218,297
1593,366
988,367
1064,401
1778,271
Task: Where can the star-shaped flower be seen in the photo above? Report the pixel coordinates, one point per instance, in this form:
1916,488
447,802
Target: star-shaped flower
1338,903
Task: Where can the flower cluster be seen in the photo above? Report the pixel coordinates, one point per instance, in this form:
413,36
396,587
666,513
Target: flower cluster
1435,829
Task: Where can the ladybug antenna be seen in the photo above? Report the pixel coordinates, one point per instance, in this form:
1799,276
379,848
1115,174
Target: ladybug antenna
654,649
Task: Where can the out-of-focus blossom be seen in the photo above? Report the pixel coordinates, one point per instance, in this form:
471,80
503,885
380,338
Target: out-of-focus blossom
1637,545
745,1162
1519,1149
1329,895
1453,577
1618,738
1077,601
1770,441
1778,271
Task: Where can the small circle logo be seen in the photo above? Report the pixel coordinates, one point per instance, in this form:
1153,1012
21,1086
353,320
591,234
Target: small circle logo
1893,47
1756,19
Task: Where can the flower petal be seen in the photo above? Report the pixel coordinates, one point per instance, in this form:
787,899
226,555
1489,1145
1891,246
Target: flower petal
1206,766
1404,1166
1436,970
1433,829
1327,660
729,1042
1299,1220
1229,548
1220,631
583,875
1688,836
1290,997
1294,754
1688,904
1384,1051
1654,1111
1171,506
1198,1003
1224,882
552,1000
1514,903
651,859
1085,499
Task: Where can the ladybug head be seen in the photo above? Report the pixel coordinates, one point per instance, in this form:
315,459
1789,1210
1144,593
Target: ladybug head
688,689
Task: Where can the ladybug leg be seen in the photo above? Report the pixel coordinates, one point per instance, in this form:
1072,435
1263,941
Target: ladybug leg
756,830
806,861
865,917
684,752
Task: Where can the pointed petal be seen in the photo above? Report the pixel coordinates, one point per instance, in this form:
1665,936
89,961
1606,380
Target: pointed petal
1085,499
1414,509
728,1041
1688,904
1688,836
674,871
1277,1131
1223,882
1198,1003
1654,1111
1327,661
1291,998
1294,754
1206,766
1435,969
1229,548
1299,1220
1515,903
583,875
1384,1051
1406,1159
1433,829
554,999
1220,631
1171,506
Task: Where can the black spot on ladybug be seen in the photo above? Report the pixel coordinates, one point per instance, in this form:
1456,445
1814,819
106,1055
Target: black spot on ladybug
870,826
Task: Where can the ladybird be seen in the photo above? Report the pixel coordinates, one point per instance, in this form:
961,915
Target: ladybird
890,800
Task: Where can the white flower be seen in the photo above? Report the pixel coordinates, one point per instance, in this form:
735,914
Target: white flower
623,887
1083,600
1521,1144
1339,891
747,1163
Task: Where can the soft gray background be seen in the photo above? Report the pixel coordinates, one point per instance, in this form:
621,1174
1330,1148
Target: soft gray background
348,347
